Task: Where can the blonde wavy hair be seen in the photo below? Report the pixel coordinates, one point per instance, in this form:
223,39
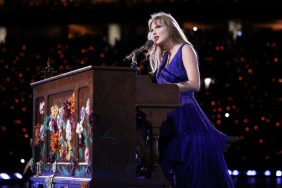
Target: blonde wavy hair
155,53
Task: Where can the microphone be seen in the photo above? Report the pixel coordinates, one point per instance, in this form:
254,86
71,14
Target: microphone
137,51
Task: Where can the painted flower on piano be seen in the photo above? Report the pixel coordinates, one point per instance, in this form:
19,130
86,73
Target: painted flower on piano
61,150
72,101
54,126
64,151
66,109
54,111
37,135
73,122
68,130
79,128
50,123
60,125
41,108
68,151
55,141
87,109
82,113
61,111
42,132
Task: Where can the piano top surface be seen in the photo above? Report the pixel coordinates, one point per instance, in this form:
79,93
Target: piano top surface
84,69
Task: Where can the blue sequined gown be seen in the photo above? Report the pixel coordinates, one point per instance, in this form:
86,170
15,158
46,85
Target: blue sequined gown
191,148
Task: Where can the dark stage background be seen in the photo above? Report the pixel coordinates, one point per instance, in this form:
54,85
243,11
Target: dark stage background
238,43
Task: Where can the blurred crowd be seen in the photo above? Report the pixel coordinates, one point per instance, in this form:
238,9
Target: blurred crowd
74,5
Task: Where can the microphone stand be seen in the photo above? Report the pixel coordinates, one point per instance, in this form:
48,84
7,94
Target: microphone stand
134,63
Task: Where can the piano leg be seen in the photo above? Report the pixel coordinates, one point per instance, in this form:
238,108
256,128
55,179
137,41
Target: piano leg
149,156
155,155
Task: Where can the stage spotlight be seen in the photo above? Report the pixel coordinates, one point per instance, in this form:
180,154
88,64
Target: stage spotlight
4,176
267,173
239,33
278,173
22,161
195,28
229,171
251,173
235,173
226,114
207,83
18,175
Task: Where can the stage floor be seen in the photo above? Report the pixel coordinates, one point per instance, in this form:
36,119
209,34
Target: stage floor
240,182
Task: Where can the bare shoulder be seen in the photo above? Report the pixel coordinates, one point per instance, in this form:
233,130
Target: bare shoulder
188,50
188,53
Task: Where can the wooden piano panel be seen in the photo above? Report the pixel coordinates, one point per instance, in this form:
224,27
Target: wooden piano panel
58,99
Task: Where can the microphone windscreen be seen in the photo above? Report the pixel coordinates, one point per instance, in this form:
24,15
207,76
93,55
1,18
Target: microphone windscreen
150,43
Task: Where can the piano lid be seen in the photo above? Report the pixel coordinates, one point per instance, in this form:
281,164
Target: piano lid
79,71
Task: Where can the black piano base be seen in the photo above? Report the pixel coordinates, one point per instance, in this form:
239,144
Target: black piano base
131,183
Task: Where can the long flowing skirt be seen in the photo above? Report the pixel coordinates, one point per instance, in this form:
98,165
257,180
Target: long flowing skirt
191,148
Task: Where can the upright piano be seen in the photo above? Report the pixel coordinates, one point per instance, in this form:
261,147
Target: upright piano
84,127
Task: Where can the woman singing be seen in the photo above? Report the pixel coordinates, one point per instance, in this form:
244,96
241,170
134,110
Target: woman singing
190,146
